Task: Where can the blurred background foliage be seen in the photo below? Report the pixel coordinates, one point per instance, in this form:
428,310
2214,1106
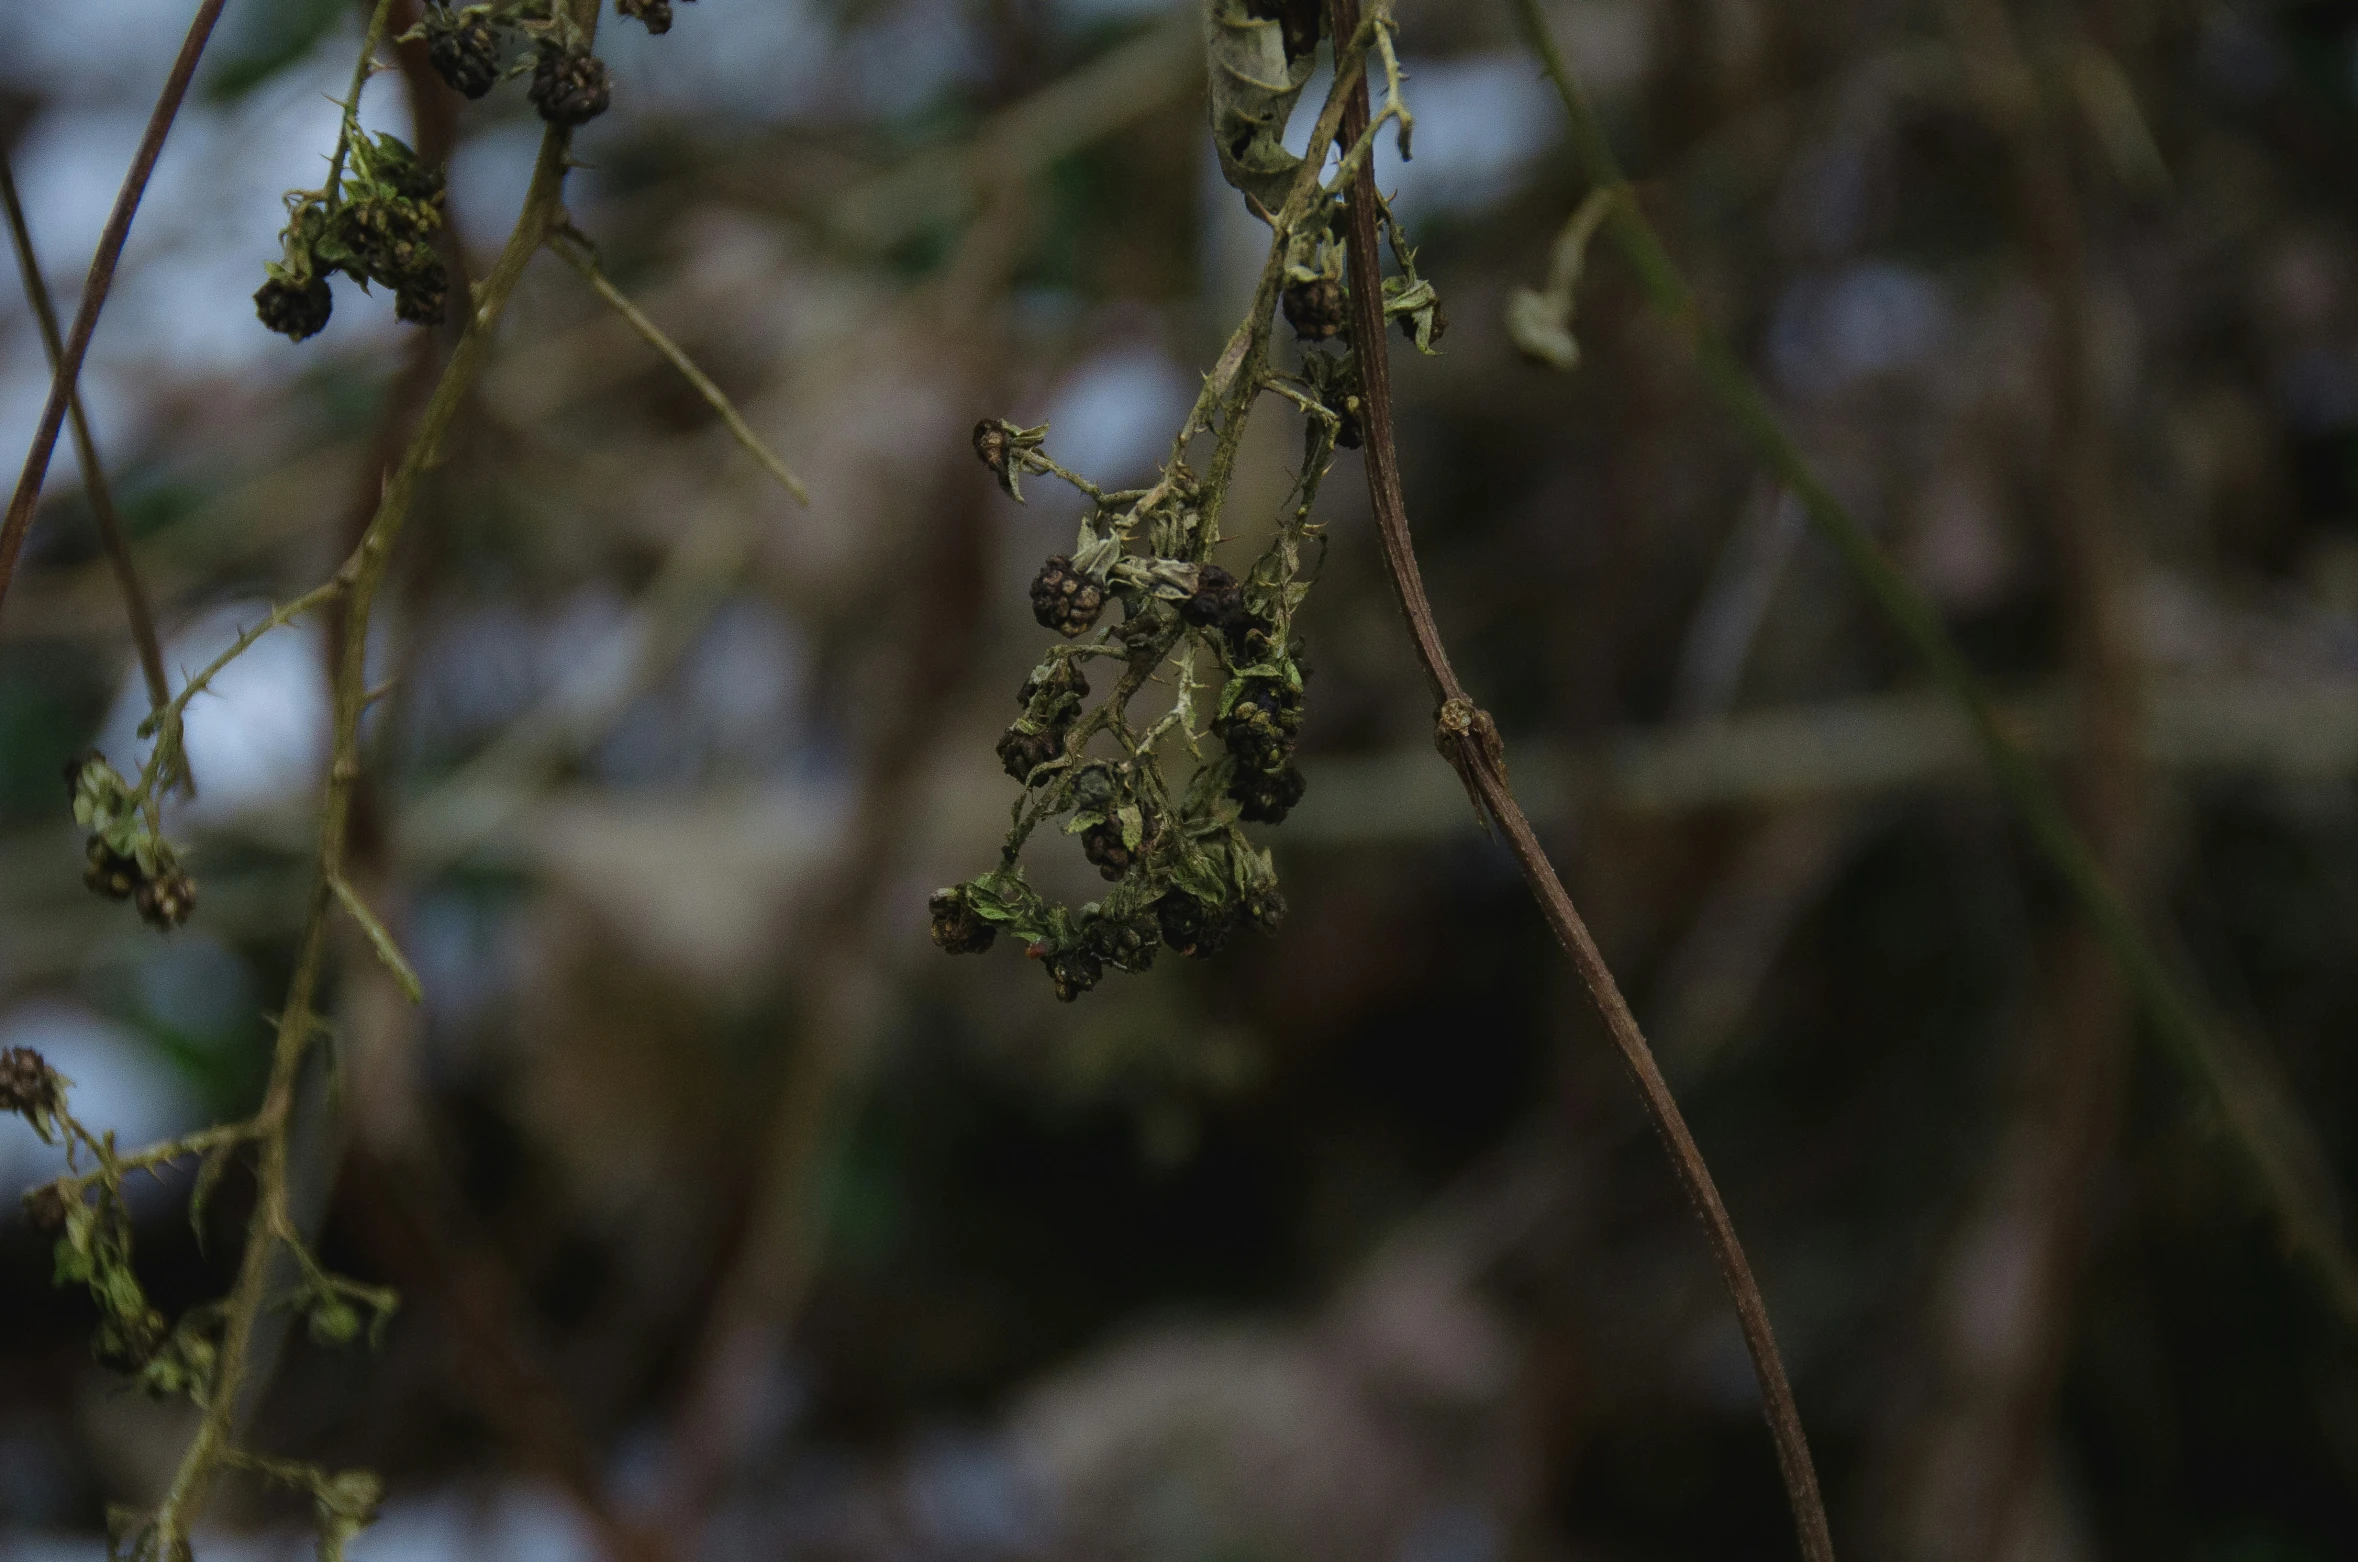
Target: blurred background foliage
730,1217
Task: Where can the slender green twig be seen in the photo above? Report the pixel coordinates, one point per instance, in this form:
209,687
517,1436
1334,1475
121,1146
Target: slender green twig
136,605
2309,1228
213,1446
576,252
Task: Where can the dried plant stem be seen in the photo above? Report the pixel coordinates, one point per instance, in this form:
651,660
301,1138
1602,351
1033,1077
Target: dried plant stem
356,584
2307,1225
136,604
575,251
1469,740
102,277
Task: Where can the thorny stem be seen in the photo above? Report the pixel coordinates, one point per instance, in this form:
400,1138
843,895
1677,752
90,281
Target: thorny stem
136,605
359,578
576,252
362,69
1469,740
2307,1225
62,380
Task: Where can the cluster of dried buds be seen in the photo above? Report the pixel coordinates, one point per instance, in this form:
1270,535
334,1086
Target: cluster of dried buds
127,857
378,224
1183,875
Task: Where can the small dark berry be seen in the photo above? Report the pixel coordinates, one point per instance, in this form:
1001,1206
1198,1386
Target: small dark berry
294,310
166,900
956,927
28,1085
1315,309
1064,599
570,86
1265,908
1022,752
1190,926
1266,799
463,49
655,14
108,872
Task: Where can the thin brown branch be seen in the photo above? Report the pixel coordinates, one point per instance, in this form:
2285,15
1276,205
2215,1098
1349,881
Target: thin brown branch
1469,740
94,291
94,483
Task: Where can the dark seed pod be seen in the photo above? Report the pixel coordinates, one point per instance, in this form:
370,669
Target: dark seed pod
1022,751
108,872
28,1085
1263,798
1074,970
570,86
293,309
463,48
1260,727
1190,926
655,14
1064,599
1315,309
166,900
1265,908
420,296
956,927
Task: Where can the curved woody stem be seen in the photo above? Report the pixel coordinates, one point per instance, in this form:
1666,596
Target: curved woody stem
1469,740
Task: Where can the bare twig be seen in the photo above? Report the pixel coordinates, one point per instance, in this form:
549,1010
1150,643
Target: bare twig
576,252
1469,740
2308,1228
136,605
102,277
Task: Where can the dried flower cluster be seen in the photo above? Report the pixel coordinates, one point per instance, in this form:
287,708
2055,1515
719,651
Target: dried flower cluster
127,855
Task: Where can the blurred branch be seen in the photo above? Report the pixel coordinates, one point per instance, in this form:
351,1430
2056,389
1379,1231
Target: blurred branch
2181,1029
136,604
1022,140
357,581
68,371
1469,740
577,252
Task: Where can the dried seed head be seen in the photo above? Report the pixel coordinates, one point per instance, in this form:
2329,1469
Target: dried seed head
570,86
1191,926
1102,844
956,927
1073,971
420,296
1064,599
654,14
28,1085
1263,798
1023,750
108,872
463,48
166,900
294,307
1316,309
1218,603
